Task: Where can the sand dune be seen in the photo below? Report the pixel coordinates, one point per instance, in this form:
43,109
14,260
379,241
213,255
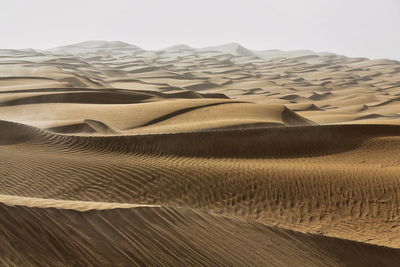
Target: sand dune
293,177
184,156
166,236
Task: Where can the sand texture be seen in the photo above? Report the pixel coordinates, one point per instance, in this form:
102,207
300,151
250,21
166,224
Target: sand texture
111,155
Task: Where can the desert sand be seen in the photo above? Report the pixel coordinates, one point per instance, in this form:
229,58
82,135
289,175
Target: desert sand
112,155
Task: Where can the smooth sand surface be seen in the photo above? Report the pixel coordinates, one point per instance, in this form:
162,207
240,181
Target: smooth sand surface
111,155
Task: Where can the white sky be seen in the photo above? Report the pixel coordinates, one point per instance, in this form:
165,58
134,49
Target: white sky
369,28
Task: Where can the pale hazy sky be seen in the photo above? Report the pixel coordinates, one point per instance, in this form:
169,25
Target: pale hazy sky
369,28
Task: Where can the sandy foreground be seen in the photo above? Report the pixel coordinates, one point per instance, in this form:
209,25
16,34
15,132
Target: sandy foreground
111,155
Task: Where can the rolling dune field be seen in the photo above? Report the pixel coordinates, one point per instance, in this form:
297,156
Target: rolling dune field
111,155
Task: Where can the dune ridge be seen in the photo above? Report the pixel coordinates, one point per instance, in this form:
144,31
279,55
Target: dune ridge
11,200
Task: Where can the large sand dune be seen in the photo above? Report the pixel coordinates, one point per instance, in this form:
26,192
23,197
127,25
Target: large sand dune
114,155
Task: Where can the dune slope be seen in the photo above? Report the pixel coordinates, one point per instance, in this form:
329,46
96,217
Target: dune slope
166,236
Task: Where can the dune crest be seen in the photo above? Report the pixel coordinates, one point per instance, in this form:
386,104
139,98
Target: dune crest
30,202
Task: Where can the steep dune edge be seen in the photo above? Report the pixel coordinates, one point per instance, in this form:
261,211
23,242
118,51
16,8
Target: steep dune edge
166,236
293,119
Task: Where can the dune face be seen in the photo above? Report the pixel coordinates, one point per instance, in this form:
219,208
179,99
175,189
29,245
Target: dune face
112,155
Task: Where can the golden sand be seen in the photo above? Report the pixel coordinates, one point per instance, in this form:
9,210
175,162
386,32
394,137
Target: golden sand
113,155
